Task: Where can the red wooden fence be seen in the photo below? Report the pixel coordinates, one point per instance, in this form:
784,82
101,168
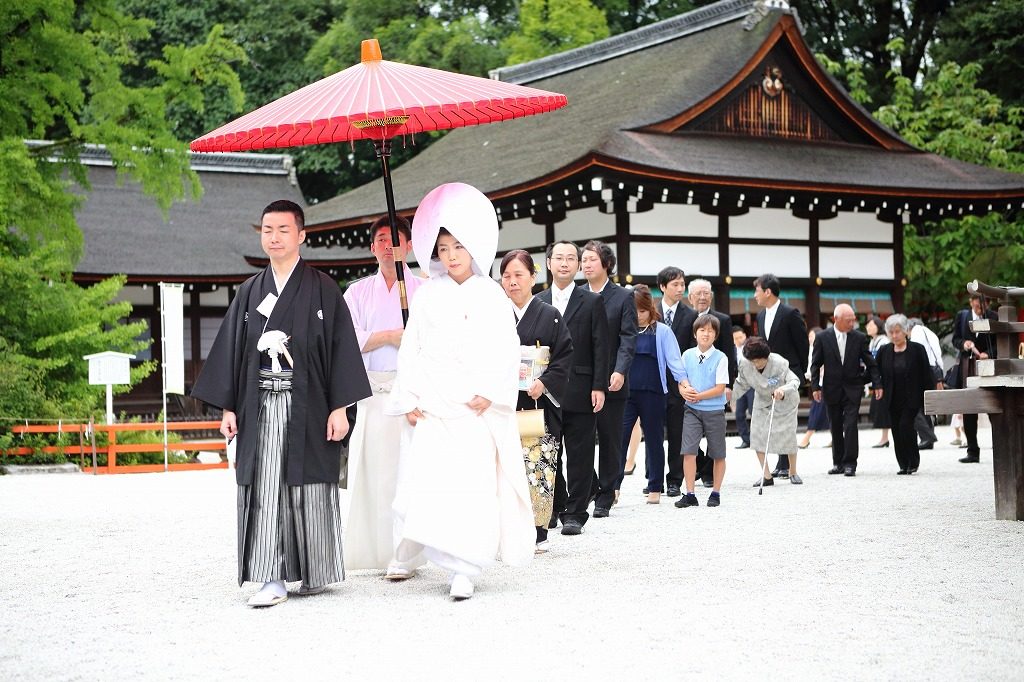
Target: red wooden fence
84,447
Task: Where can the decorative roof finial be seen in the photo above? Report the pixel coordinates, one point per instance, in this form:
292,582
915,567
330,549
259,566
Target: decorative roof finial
760,10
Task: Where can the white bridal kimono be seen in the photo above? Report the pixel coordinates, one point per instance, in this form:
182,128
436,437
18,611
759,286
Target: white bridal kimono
462,499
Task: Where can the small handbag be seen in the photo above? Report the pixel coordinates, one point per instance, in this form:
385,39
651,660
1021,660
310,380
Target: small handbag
531,423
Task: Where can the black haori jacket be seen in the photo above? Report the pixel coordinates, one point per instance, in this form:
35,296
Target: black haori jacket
328,371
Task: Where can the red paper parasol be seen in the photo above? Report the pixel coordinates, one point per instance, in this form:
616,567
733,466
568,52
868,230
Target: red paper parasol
377,100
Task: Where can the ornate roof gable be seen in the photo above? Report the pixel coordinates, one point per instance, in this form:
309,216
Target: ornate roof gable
783,92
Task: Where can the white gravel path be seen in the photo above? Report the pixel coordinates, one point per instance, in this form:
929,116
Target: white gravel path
876,577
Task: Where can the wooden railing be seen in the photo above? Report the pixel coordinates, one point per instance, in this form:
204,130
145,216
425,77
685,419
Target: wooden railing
87,448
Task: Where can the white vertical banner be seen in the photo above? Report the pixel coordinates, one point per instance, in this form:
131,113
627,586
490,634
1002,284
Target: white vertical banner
171,307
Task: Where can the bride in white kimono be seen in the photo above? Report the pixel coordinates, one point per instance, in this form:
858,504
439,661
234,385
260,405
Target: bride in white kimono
462,500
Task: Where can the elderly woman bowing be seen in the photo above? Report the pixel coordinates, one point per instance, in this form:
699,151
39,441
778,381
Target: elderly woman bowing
774,384
906,375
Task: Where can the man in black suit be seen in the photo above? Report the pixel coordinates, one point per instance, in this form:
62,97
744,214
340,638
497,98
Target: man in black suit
972,347
583,313
679,317
783,327
701,297
843,352
598,264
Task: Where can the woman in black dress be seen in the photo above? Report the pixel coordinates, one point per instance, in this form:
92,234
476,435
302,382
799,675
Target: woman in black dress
906,375
539,324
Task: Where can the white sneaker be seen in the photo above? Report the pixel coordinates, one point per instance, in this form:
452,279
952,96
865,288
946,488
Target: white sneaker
542,547
272,594
462,587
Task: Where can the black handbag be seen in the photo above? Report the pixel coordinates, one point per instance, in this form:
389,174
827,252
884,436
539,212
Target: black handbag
937,374
952,377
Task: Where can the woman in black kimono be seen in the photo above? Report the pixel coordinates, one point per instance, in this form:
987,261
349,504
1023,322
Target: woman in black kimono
539,324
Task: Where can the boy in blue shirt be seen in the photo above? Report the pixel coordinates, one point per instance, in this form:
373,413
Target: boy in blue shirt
706,374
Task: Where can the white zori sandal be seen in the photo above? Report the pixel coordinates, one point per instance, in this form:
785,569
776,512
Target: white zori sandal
272,594
397,573
462,587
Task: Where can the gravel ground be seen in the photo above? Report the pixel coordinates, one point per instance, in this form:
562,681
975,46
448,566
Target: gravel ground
875,577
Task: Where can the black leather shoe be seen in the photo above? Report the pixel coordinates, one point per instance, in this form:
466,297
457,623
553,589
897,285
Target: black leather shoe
881,445
970,459
600,513
646,490
849,471
708,482
673,491
572,527
553,523
767,481
930,445
780,473
902,472
743,445
836,470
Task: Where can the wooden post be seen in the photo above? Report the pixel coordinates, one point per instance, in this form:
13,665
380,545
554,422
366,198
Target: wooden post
111,450
622,256
1008,455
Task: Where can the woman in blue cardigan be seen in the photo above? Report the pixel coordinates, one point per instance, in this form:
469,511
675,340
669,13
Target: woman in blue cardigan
656,350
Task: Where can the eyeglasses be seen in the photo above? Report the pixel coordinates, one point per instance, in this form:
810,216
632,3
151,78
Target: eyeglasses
564,259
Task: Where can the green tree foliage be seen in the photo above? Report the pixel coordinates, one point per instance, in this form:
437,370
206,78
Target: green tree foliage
990,33
48,324
62,79
625,15
863,30
550,26
951,115
275,38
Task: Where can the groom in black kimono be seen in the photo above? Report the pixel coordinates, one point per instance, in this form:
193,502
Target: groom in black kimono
283,368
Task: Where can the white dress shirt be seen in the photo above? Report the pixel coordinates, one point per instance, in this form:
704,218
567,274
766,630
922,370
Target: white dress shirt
666,310
560,297
769,319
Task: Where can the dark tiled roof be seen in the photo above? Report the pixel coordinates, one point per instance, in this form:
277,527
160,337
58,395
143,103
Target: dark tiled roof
631,41
125,231
752,161
650,86
635,80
